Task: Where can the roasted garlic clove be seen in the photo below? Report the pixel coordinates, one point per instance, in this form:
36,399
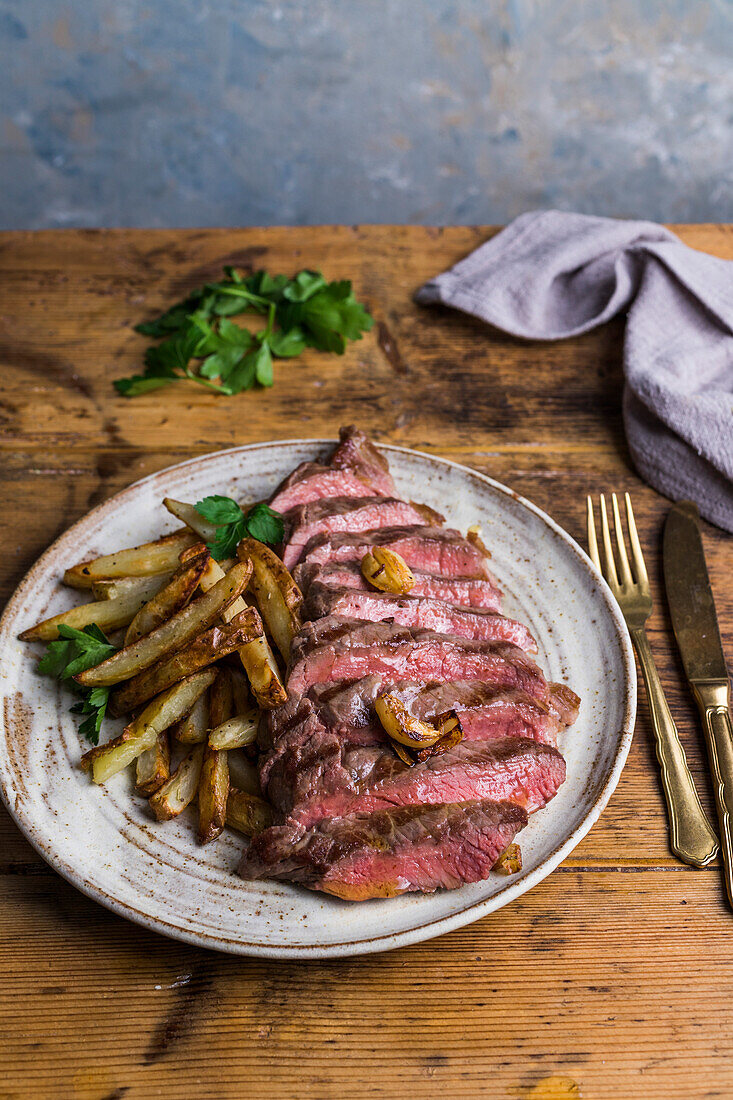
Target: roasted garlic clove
451,734
387,571
510,860
404,754
401,726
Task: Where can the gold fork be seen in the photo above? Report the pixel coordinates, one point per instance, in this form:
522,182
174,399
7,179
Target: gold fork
691,835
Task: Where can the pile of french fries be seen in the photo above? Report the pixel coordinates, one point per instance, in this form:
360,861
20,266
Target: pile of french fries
195,670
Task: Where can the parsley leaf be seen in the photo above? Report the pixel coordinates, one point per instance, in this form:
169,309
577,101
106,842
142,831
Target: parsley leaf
199,342
72,653
260,522
265,524
328,318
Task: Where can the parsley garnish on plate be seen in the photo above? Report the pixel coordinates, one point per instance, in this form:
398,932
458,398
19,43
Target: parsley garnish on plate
260,522
201,344
74,651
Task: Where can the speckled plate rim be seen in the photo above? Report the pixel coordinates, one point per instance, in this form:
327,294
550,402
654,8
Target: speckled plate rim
427,929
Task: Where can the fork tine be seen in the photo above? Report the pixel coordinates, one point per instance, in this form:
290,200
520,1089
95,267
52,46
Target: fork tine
626,577
592,541
636,554
611,575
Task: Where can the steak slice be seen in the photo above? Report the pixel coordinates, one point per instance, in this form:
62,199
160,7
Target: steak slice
311,481
390,852
417,612
438,550
352,514
357,453
564,704
342,649
322,778
473,592
487,713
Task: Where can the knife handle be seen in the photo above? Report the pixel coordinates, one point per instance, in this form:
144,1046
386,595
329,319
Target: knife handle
691,835
713,700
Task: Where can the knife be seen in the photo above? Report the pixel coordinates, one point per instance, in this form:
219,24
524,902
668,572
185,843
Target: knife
695,624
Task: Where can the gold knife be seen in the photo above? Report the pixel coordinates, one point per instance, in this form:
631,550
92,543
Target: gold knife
695,626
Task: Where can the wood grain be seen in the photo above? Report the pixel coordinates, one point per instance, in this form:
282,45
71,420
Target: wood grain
615,974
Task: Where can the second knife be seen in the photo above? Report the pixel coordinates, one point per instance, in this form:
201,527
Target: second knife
695,624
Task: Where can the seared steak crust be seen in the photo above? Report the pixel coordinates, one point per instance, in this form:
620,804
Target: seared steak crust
357,452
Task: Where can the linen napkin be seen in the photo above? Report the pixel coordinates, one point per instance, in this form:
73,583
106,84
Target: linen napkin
550,275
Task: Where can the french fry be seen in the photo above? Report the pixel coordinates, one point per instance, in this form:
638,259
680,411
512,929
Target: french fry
106,760
180,790
146,587
260,665
201,652
188,515
213,791
243,773
108,615
257,658
153,766
235,733
160,556
174,596
214,781
247,813
172,634
192,729
240,690
278,596
221,698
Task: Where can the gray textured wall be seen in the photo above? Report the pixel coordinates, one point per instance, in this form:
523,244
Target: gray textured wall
201,112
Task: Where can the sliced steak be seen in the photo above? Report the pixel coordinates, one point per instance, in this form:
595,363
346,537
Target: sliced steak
486,710
438,550
349,706
352,514
474,592
417,612
312,481
390,852
357,453
342,649
564,704
322,778
347,712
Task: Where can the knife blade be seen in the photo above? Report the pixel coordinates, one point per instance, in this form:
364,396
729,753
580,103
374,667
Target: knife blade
695,624
690,596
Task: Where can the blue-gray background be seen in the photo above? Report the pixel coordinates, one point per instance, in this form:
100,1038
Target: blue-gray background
236,112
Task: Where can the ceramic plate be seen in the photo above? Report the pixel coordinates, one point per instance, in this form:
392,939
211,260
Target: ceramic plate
101,838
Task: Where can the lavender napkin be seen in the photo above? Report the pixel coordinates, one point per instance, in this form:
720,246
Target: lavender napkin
550,275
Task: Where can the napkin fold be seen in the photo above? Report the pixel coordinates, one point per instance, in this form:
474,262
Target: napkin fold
550,275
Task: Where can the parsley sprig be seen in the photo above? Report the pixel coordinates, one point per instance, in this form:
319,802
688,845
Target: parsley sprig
73,652
201,344
260,522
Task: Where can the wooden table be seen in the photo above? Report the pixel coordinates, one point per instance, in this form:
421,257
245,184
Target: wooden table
614,977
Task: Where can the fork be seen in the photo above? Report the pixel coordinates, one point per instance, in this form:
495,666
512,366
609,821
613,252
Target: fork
691,836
